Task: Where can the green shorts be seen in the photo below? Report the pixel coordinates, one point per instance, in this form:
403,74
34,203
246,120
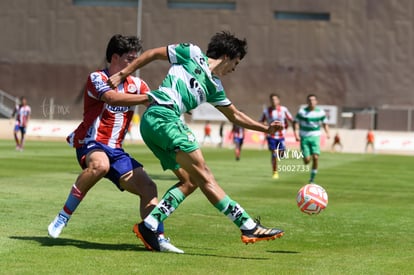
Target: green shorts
165,133
310,145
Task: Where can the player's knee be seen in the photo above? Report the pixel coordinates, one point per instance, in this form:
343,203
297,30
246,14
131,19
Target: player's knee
306,160
98,168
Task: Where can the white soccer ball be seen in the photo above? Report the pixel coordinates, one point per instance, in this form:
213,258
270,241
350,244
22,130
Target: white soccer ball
312,199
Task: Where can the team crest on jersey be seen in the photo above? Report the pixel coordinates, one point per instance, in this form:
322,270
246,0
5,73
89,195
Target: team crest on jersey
132,88
191,137
97,81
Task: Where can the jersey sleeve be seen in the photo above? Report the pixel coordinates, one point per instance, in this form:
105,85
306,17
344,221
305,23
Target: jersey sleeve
181,53
219,98
97,85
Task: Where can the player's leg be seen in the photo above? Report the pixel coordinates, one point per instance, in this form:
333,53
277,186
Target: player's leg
22,136
271,143
314,170
16,137
201,175
139,183
97,165
315,151
306,151
279,151
237,148
159,121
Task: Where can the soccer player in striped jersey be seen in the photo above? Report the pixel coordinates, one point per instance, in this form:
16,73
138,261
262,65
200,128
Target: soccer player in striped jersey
193,79
276,141
237,133
307,129
99,137
22,113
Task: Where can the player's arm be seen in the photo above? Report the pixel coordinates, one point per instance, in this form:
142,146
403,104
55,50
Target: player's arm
243,120
124,99
295,126
326,128
146,57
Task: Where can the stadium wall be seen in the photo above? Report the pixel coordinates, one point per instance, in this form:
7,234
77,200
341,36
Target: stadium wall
359,55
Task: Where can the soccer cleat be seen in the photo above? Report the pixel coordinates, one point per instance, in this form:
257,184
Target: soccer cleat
56,227
260,233
166,246
147,236
275,175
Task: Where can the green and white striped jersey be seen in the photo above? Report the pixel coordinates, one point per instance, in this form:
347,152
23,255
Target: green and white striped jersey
189,81
310,121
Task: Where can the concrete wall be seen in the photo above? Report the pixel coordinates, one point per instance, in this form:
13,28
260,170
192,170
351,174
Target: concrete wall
362,57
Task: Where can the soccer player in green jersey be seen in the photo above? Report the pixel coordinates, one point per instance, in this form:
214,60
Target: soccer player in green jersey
307,130
193,79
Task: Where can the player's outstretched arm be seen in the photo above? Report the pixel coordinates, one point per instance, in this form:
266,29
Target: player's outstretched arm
239,118
124,99
146,57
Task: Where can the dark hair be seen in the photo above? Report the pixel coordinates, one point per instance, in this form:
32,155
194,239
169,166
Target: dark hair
225,43
310,95
121,44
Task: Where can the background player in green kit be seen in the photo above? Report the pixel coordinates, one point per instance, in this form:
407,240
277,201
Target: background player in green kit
191,80
307,130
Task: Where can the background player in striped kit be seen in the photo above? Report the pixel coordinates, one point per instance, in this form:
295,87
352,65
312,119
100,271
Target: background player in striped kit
307,129
237,133
22,113
99,137
276,141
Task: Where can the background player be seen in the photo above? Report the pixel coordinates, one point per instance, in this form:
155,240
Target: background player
370,141
307,129
237,133
22,113
276,141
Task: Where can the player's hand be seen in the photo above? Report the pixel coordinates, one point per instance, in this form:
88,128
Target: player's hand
275,126
115,80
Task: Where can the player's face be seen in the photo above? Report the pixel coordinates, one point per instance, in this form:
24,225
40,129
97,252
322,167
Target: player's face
312,102
275,101
127,58
227,66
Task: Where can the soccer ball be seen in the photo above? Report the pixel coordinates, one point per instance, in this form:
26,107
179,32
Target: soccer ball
312,199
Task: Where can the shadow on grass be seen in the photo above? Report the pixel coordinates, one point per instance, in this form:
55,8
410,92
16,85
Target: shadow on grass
47,241
283,252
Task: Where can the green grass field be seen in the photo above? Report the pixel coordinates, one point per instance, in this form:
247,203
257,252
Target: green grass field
366,229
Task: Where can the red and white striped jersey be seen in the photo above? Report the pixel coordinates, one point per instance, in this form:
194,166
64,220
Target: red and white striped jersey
237,131
102,122
280,113
22,115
